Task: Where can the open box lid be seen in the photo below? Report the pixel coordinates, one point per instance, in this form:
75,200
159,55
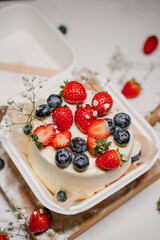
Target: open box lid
28,39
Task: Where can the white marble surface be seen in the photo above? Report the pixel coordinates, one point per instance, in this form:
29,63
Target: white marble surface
95,28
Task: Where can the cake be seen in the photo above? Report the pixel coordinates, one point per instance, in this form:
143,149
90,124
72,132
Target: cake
97,172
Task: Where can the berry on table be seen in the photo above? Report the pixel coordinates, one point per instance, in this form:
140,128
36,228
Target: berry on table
61,196
78,145
63,157
150,45
73,92
40,220
63,29
81,162
2,163
112,125
54,101
122,120
43,111
131,89
121,137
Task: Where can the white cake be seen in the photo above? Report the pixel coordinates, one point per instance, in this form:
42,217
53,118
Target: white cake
68,179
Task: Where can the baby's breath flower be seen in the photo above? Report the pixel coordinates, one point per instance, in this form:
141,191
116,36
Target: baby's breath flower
22,211
50,233
21,221
19,130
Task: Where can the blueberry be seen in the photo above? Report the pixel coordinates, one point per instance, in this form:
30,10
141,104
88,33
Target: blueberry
61,196
63,29
63,157
136,157
111,124
121,137
27,129
78,145
54,101
43,111
122,120
81,162
2,163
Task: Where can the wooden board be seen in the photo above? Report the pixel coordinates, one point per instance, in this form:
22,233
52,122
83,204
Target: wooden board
18,194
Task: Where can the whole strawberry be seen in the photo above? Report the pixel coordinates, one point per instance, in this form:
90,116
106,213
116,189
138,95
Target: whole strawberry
3,237
111,159
62,118
97,147
131,89
74,92
150,45
84,116
102,103
40,220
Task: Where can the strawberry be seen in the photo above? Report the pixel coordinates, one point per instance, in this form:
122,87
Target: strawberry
73,92
63,118
84,116
99,128
96,147
45,133
111,159
150,45
3,237
102,102
40,220
62,139
131,89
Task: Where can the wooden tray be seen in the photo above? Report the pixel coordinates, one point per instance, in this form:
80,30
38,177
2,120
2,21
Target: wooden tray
18,194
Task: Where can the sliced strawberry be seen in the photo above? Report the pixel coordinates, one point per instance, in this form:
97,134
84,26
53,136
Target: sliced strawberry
99,128
91,143
62,139
111,159
45,133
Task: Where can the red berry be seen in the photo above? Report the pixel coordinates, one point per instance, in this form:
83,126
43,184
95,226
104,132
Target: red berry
150,45
74,92
63,118
102,102
40,220
111,159
62,139
2,237
99,128
97,147
91,143
45,133
131,89
84,116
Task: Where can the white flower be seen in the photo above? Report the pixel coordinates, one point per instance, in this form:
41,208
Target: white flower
55,127
95,113
95,103
83,81
10,101
41,211
50,232
106,106
25,215
24,94
16,213
23,211
35,213
87,116
19,130
21,221
83,105
18,115
24,112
